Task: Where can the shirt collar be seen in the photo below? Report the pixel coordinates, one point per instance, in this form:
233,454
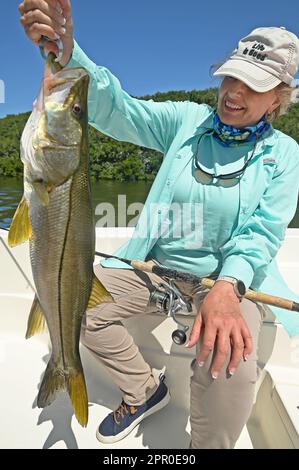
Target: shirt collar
267,141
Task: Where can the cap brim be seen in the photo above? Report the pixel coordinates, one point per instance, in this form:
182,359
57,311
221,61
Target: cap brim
252,75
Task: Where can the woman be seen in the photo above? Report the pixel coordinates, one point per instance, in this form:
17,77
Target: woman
244,176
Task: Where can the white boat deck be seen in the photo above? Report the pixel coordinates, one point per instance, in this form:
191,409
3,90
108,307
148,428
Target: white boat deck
275,419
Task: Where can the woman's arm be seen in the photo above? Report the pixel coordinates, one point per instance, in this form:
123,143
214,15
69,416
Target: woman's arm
259,239
245,255
111,110
115,113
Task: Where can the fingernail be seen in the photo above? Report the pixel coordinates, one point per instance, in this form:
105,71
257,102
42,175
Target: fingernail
57,36
215,375
62,30
200,364
62,21
245,358
187,344
58,8
232,371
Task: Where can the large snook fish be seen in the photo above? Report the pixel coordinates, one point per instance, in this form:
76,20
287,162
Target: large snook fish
55,214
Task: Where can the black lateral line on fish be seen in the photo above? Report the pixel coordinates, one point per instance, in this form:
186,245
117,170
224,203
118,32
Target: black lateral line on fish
59,276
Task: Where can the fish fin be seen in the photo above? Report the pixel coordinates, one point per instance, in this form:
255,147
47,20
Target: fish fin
78,395
53,381
20,230
99,294
36,321
41,192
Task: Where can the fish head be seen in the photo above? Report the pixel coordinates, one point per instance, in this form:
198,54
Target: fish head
52,141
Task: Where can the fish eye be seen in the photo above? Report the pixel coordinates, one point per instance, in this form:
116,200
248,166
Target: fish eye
77,110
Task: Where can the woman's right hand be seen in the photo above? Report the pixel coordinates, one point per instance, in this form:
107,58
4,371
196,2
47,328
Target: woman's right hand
223,325
50,18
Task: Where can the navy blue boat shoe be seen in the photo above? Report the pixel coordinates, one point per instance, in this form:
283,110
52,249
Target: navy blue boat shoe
122,421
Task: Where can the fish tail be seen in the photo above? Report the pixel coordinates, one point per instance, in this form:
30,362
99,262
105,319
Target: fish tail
56,379
53,381
78,395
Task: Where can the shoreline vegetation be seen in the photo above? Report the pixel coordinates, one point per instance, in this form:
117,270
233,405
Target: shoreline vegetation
114,160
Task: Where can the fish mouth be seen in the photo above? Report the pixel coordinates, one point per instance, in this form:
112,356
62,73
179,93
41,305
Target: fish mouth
65,78
60,87
55,75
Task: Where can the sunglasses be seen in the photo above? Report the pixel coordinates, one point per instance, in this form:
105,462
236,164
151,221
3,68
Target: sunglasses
203,176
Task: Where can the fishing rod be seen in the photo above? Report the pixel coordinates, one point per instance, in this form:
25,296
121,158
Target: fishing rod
204,281
172,300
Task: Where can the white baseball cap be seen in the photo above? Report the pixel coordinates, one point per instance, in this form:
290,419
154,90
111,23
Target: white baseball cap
264,58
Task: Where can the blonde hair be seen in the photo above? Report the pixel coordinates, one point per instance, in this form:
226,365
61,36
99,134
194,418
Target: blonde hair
284,91
285,94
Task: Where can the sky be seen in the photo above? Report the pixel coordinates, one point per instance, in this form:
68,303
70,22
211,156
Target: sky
149,45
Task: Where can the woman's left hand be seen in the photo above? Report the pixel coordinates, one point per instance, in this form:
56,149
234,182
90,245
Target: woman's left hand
223,326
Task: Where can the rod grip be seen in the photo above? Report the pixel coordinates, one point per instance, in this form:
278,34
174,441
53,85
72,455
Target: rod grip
150,266
260,297
146,266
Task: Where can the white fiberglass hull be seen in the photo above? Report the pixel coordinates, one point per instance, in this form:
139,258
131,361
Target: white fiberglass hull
275,419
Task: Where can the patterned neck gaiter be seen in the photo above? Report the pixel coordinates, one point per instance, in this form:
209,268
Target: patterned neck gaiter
230,136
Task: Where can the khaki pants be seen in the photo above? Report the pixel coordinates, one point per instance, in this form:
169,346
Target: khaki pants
219,408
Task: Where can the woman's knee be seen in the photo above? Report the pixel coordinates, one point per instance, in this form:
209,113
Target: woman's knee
220,408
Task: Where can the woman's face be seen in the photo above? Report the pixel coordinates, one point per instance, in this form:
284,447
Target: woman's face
251,104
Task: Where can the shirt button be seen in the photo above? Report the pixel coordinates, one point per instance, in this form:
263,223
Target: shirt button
178,157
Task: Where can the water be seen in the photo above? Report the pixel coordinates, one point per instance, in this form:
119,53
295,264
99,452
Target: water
119,196
10,194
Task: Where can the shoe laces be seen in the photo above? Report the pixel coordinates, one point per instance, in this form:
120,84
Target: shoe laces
123,410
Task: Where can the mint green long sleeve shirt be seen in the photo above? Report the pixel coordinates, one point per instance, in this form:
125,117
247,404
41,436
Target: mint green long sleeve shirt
268,189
